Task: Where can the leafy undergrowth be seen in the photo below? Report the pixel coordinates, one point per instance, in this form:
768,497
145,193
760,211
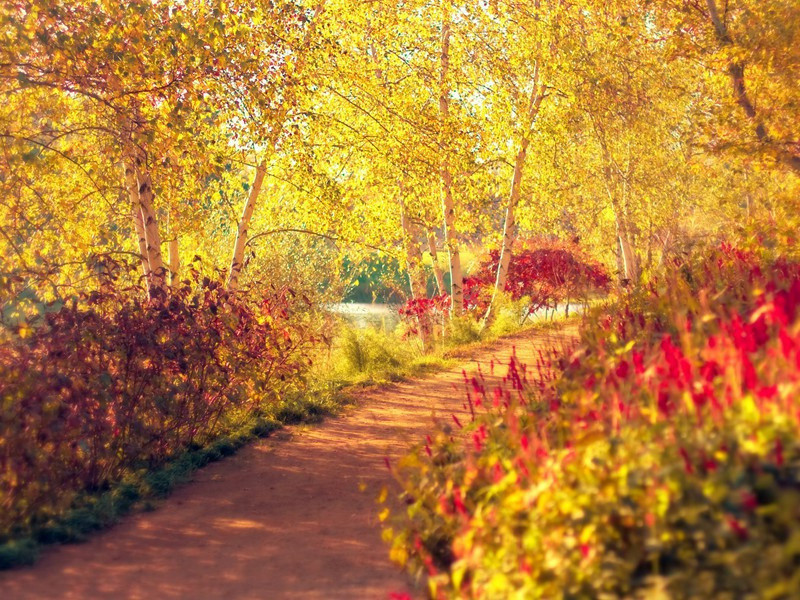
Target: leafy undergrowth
69,513
658,458
109,388
542,275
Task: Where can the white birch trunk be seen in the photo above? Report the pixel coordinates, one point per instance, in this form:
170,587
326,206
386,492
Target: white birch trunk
237,262
448,208
132,187
239,245
416,274
628,256
630,261
437,270
509,226
140,190
146,202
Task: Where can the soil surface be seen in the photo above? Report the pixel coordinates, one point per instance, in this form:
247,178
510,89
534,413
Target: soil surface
290,516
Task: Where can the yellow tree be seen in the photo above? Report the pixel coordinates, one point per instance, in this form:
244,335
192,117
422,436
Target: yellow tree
291,65
148,96
751,50
518,67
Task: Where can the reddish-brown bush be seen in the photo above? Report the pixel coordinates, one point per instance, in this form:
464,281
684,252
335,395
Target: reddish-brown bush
546,274
108,383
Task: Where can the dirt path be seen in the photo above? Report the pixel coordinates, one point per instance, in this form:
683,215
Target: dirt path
292,516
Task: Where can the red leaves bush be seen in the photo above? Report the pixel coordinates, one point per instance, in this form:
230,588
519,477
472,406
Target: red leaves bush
662,452
107,384
546,274
421,313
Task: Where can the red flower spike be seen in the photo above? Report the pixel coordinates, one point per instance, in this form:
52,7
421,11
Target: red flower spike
458,502
778,452
737,527
749,501
622,369
687,463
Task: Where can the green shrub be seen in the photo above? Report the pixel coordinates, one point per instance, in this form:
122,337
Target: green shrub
462,331
369,351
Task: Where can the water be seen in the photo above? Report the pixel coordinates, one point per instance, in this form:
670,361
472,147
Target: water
363,315
561,310
384,316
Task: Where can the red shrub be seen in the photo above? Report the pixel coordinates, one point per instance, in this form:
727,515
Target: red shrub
109,383
546,274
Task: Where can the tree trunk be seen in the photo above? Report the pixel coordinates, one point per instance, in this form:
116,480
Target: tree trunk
736,73
437,270
127,126
139,184
244,226
140,190
416,274
627,255
272,144
618,256
152,235
136,213
174,262
630,262
509,227
448,208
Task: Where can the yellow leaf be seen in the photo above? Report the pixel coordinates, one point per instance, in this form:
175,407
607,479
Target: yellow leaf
387,534
398,555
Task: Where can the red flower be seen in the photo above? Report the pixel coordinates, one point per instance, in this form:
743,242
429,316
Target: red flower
687,463
622,369
749,501
739,529
779,452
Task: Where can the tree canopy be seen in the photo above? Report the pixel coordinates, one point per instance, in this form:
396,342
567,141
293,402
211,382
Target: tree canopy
252,137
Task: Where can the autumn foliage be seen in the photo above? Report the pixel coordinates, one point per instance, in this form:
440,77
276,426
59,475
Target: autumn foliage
660,452
541,275
109,383
546,274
